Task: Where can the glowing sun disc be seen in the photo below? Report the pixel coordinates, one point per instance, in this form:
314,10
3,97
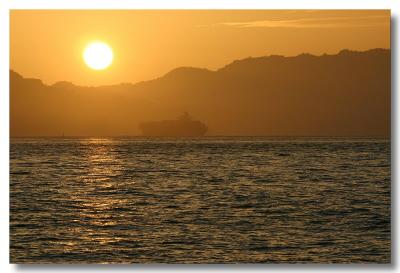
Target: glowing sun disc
98,55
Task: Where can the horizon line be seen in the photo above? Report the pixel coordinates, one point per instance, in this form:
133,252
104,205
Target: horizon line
207,136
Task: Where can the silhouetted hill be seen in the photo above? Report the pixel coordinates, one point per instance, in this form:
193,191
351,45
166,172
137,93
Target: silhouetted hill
347,94
64,85
184,73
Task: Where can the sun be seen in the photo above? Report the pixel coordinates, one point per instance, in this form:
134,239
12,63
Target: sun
98,55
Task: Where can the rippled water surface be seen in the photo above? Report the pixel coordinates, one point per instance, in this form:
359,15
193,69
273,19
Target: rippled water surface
211,200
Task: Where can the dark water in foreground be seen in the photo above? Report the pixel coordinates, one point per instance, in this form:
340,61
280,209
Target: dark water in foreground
211,200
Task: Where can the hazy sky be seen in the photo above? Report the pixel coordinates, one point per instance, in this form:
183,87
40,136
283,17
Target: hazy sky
147,44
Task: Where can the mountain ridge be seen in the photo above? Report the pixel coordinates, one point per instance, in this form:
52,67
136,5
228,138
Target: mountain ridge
342,94
180,68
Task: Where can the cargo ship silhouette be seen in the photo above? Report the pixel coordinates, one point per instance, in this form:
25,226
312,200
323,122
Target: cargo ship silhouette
184,126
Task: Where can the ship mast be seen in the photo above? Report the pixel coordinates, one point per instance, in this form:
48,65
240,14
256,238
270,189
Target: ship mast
185,117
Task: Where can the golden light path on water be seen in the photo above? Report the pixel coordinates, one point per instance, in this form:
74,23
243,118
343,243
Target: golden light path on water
96,208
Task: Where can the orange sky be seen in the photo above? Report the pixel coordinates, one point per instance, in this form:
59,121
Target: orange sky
48,44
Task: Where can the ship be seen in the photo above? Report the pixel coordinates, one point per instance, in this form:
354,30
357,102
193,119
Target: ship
183,126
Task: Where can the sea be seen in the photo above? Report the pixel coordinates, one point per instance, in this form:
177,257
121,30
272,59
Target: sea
204,200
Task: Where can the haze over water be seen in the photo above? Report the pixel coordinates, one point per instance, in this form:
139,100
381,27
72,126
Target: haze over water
208,200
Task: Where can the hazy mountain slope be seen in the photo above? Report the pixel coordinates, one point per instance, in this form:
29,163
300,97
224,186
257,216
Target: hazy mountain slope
344,94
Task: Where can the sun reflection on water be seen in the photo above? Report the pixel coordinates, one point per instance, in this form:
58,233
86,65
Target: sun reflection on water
97,193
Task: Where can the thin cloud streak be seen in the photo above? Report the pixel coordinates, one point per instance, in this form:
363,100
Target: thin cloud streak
327,22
